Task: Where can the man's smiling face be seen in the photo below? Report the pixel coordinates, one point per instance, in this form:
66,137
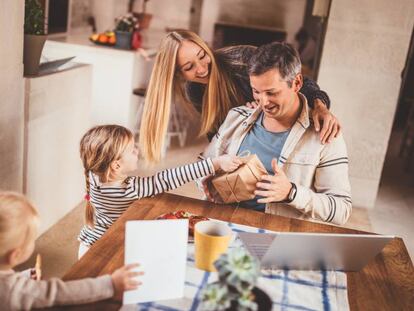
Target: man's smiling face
273,93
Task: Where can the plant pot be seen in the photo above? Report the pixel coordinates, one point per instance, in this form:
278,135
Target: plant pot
264,303
123,40
32,50
263,300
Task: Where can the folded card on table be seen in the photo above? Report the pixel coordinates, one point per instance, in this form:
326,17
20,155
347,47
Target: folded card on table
160,247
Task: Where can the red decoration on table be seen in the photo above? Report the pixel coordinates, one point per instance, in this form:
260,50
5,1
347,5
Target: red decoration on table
192,219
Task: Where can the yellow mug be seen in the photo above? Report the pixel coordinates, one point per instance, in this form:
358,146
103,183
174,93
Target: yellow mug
211,239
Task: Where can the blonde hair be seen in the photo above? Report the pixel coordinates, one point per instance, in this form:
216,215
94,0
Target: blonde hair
18,221
99,147
219,98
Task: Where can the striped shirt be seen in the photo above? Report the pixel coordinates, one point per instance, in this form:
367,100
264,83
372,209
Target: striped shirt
110,202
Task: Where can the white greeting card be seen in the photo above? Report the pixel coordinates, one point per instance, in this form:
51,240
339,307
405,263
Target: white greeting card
160,247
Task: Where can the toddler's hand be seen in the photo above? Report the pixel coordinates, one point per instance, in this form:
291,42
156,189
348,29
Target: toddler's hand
227,163
123,279
34,275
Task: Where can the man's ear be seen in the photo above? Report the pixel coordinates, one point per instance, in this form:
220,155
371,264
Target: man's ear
297,83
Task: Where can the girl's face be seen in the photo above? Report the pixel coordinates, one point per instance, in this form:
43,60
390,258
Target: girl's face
128,162
193,62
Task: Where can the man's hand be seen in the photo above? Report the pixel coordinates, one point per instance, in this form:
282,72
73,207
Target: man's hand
330,124
277,187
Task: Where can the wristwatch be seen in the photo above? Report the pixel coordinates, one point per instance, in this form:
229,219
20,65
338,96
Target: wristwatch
292,193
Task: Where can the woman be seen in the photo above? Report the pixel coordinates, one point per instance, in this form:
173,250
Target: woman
213,83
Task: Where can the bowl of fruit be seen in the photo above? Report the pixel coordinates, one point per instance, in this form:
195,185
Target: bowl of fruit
106,38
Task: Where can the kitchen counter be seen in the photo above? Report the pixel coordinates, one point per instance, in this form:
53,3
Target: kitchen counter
115,73
57,114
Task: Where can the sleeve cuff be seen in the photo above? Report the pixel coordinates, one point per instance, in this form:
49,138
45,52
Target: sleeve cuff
322,96
211,166
301,199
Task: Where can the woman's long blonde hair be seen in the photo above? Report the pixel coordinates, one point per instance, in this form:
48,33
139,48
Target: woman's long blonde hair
99,147
219,98
18,221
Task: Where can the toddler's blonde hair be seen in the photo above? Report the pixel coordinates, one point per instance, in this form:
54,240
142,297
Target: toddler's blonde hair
99,147
18,221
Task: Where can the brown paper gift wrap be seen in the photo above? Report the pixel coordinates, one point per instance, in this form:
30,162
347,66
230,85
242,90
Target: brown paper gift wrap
240,185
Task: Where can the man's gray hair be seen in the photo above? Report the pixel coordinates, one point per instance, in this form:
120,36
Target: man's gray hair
276,55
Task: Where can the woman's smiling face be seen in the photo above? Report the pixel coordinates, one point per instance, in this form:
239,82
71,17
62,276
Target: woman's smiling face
193,62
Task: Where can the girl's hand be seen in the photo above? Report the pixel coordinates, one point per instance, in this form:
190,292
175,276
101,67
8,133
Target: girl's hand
252,105
211,196
205,184
123,279
330,124
227,163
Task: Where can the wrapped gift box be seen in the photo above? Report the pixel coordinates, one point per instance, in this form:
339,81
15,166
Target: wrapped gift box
240,185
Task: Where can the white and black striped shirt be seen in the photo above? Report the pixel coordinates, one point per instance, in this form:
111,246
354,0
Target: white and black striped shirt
110,202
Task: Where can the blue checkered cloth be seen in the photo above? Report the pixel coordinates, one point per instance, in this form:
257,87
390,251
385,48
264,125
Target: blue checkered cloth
288,289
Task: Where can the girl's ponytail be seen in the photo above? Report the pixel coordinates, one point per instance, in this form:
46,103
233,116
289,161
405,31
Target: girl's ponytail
89,210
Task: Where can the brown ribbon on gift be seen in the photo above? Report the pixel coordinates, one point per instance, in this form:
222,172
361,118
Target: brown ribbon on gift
239,185
231,188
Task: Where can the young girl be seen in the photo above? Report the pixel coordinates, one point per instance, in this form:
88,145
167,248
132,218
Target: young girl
18,230
109,158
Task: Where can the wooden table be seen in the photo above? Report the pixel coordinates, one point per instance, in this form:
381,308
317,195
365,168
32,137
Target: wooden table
386,283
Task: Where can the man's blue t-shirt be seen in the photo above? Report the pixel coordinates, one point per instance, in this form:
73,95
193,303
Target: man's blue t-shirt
266,145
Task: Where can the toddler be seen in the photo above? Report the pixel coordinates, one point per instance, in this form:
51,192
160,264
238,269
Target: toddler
18,230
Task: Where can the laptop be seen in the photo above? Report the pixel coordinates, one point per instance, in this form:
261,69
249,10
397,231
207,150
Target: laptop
52,66
313,251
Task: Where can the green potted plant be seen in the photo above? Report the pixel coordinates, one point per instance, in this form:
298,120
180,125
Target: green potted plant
34,36
125,27
235,290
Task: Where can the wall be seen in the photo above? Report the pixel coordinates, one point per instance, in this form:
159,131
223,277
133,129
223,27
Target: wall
166,13
11,94
81,10
287,15
105,12
363,56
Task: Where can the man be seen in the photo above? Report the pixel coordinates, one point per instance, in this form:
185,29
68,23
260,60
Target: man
306,179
